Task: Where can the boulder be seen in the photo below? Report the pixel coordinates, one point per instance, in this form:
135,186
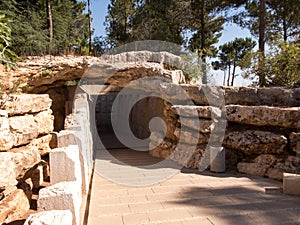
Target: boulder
52,217
13,206
44,122
7,171
264,115
23,128
255,142
24,159
26,103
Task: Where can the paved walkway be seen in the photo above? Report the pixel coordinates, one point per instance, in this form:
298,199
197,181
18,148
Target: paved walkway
189,197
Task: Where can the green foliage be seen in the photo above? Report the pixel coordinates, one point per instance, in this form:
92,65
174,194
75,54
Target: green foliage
234,54
153,21
282,66
5,40
118,22
29,31
190,66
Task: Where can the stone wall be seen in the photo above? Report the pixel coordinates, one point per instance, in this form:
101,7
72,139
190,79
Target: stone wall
262,127
26,123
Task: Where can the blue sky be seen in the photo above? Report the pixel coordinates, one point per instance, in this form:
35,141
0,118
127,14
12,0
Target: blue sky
230,32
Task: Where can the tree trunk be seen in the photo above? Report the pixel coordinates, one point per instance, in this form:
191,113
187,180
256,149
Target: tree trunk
50,24
228,78
202,47
224,79
233,74
90,26
261,42
284,22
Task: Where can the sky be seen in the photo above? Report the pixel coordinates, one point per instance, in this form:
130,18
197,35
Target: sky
230,32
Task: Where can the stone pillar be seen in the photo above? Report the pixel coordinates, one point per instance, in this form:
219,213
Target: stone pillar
217,156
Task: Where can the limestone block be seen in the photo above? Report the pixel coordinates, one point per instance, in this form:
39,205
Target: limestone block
202,125
27,103
295,141
44,121
7,141
61,196
217,156
291,184
53,217
264,115
23,128
275,174
255,142
255,169
43,144
7,171
65,138
241,96
277,96
24,159
191,111
13,206
65,165
266,159
4,123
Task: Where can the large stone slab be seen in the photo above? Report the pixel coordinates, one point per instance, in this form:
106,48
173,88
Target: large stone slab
13,206
264,115
26,103
255,142
61,196
53,217
193,110
65,165
7,171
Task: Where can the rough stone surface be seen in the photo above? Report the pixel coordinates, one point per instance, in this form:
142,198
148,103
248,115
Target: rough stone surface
264,115
23,128
7,171
255,142
53,217
44,122
26,103
61,196
256,169
295,141
25,158
13,206
192,111
43,144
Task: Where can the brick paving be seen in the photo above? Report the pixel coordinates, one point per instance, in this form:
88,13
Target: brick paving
188,197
